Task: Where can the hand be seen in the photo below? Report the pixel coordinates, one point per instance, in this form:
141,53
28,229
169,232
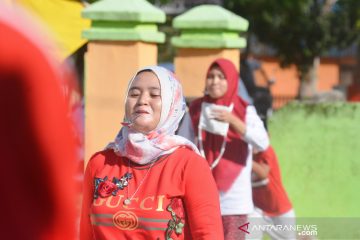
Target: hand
225,116
222,115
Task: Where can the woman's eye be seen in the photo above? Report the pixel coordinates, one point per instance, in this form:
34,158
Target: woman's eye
134,95
154,95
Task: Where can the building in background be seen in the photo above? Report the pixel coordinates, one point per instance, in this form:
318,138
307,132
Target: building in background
338,70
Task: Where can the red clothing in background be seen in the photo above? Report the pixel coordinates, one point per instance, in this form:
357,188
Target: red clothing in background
271,198
37,152
179,179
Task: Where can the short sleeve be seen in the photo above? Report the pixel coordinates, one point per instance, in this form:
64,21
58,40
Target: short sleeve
264,159
267,156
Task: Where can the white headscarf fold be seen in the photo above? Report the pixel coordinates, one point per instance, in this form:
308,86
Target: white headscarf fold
142,148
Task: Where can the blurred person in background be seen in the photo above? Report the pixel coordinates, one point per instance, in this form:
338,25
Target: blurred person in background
261,96
272,205
37,149
75,112
248,66
226,128
150,183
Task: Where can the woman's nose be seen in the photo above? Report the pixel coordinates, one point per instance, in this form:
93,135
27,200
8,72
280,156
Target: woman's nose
143,100
216,80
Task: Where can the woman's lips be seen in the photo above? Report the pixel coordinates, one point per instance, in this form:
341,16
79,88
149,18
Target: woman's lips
214,87
141,111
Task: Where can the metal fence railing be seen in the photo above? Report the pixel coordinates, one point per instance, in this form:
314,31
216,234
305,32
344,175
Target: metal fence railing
281,100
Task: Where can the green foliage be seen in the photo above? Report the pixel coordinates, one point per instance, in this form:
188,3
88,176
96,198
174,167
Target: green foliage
345,23
303,29
298,30
166,52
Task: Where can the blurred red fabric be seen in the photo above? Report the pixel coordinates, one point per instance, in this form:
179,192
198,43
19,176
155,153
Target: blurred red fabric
354,93
36,146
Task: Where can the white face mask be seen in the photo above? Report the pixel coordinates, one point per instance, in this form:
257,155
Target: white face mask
213,126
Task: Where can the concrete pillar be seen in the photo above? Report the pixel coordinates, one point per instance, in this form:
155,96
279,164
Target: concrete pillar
122,39
208,32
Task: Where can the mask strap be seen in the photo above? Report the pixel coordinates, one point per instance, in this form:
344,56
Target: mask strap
223,145
202,149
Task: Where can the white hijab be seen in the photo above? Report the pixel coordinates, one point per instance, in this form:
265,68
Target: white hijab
142,148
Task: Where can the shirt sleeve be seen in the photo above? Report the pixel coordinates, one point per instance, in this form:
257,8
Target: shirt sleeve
264,158
186,130
256,134
202,201
86,232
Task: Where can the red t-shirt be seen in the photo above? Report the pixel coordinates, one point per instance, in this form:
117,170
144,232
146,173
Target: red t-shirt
271,198
178,189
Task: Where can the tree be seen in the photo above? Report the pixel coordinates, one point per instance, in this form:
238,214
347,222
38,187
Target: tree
345,23
299,31
167,52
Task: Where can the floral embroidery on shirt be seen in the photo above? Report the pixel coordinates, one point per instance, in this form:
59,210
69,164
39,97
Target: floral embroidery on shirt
105,188
176,208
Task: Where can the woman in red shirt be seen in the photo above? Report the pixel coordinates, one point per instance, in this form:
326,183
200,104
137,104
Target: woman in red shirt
150,183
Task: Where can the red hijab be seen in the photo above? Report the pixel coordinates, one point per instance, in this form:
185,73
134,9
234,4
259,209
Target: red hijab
236,151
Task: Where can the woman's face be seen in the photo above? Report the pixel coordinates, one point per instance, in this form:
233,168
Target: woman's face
144,98
216,83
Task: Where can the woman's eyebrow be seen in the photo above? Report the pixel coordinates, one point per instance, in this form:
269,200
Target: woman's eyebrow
138,88
134,88
154,88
